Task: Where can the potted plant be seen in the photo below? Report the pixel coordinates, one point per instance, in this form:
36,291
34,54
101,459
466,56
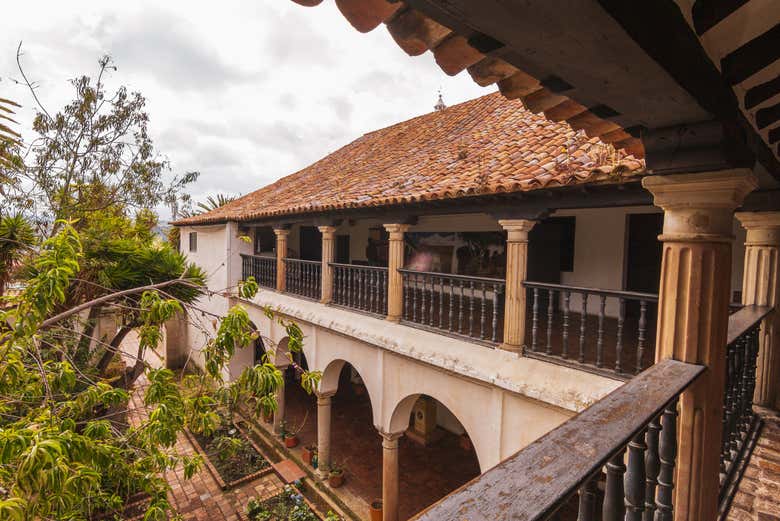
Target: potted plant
336,476
375,508
308,453
290,439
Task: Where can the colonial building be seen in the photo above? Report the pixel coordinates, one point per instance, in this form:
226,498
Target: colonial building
477,277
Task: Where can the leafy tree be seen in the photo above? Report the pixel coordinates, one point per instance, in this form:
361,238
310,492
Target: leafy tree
94,154
65,450
16,238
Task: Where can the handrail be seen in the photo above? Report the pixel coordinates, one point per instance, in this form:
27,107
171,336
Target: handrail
744,319
452,276
357,266
271,257
535,482
301,261
634,295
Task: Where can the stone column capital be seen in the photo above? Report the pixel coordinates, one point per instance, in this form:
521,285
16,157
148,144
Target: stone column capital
390,439
327,231
763,228
282,232
396,231
517,229
325,398
699,207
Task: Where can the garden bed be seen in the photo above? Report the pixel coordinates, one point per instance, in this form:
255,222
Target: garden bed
289,505
246,464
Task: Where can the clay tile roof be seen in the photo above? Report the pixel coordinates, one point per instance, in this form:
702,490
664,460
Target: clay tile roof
484,146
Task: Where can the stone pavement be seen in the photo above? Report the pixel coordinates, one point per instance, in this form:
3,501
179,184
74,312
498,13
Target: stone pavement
200,498
758,495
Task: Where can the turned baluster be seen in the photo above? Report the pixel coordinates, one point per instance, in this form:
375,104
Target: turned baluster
600,332
483,314
614,507
415,307
460,306
565,334
496,290
471,308
534,318
667,449
583,325
441,302
652,465
550,299
587,499
619,342
636,478
640,346
452,307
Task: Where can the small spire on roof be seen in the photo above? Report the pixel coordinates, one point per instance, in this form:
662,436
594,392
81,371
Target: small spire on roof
439,104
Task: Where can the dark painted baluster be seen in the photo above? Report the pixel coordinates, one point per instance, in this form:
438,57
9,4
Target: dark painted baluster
600,332
667,449
431,300
751,339
535,319
407,296
415,292
640,345
736,399
614,506
471,308
635,478
565,334
363,290
350,295
728,404
450,325
745,396
652,464
441,301
619,342
583,322
483,313
384,291
496,290
423,298
461,290
550,299
587,503
372,276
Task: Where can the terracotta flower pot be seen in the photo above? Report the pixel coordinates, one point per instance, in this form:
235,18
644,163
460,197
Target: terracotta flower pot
336,479
291,441
375,509
308,454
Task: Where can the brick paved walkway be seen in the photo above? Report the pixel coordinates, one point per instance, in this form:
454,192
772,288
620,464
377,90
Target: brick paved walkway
758,495
200,498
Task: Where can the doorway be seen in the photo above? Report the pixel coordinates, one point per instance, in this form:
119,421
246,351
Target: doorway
310,243
643,256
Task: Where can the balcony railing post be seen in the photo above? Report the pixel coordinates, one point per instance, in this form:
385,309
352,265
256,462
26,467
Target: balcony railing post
693,310
328,256
516,270
395,281
761,286
281,253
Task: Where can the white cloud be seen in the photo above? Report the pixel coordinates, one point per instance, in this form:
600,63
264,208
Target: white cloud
245,92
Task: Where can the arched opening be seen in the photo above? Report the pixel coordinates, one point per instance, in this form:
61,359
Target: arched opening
435,454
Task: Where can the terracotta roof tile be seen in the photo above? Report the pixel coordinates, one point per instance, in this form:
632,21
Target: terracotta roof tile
487,145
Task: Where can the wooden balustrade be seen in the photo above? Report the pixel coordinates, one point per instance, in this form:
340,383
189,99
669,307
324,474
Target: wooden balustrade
457,304
569,467
600,338
739,420
263,269
303,277
360,287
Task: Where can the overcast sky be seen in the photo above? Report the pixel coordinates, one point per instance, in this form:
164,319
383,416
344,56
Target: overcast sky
243,91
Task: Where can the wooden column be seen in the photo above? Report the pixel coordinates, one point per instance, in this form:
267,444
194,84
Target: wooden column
390,476
324,402
281,253
328,255
761,286
693,310
516,270
395,261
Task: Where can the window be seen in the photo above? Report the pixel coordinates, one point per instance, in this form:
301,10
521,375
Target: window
193,241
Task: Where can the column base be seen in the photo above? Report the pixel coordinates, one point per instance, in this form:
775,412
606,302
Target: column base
512,348
393,319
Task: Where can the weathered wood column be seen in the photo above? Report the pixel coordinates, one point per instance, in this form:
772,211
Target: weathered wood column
281,253
395,281
516,270
324,403
693,310
279,412
761,286
328,255
390,475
